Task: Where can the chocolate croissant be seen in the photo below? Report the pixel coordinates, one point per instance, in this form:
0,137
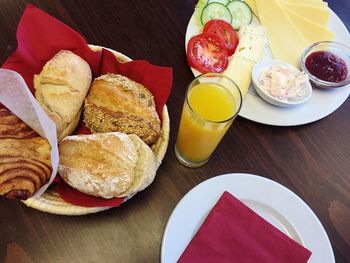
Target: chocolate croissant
13,127
24,158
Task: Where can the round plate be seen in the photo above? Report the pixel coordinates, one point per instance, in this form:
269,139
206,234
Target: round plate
274,202
321,104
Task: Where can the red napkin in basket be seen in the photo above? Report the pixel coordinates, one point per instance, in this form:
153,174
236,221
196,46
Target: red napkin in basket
40,37
234,233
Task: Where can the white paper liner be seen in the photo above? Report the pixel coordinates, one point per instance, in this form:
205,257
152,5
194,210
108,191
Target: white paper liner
16,96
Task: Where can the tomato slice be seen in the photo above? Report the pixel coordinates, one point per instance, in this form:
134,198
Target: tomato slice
207,53
223,30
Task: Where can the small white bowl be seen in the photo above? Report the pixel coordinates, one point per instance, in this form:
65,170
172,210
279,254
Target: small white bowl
267,63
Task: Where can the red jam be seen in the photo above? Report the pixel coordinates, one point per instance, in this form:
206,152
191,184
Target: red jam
326,66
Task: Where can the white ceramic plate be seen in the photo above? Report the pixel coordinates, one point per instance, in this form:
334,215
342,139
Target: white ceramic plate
274,202
321,104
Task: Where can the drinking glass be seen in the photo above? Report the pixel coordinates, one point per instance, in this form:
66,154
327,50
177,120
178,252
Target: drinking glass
211,104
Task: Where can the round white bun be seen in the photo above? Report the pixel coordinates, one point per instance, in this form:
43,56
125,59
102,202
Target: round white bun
107,164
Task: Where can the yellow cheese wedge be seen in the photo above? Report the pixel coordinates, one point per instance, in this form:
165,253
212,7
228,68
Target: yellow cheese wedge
311,31
285,40
240,71
309,12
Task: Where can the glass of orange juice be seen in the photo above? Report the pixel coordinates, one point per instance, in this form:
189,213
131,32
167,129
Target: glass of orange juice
212,102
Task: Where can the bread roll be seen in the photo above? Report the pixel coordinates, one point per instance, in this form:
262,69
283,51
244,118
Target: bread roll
25,157
61,88
107,164
116,103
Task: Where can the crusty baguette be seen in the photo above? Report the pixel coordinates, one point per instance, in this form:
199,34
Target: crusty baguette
106,164
61,88
116,103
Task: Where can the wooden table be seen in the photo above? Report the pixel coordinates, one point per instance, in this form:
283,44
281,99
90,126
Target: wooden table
312,160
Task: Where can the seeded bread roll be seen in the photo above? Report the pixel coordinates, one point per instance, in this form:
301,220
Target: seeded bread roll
61,88
106,164
116,103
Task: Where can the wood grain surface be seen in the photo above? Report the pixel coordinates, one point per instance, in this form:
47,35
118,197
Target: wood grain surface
311,160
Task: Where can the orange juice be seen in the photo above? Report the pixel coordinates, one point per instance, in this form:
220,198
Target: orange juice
207,114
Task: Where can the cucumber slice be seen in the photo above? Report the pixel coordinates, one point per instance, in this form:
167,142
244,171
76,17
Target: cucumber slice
224,2
241,14
215,11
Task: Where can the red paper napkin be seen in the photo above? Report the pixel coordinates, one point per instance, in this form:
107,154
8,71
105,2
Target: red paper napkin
234,233
40,37
78,198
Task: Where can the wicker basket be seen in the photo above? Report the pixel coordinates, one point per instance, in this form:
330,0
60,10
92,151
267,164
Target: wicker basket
51,202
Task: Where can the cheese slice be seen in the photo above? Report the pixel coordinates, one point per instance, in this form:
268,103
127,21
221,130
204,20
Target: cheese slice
252,40
312,32
285,40
256,30
240,71
251,44
314,3
318,15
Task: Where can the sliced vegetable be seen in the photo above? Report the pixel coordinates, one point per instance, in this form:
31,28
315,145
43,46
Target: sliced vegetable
216,11
241,14
198,12
207,53
225,31
224,2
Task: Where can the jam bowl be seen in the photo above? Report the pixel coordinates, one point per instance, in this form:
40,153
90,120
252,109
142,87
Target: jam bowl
327,64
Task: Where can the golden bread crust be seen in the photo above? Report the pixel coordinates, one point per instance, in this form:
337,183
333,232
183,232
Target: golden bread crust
116,103
105,164
61,88
12,127
25,158
25,166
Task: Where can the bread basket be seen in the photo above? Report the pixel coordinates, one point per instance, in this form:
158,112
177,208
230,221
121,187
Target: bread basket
51,202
